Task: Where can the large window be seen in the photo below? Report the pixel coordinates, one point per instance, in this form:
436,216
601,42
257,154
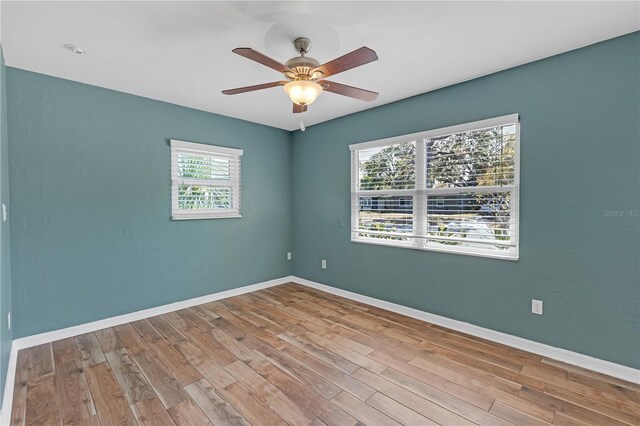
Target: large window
205,181
453,189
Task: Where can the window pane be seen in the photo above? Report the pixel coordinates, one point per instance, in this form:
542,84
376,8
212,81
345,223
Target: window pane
386,215
477,158
390,167
482,219
202,167
204,197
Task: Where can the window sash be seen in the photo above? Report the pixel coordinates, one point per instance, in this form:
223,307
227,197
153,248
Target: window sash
421,196
230,155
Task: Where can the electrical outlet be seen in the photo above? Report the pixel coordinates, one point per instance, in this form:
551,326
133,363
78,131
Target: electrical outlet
9,321
324,264
288,255
536,306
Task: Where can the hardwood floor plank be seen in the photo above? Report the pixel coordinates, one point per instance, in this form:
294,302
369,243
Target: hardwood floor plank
361,411
236,348
117,412
176,321
239,328
294,369
489,355
102,385
179,366
148,333
608,387
452,388
541,411
161,380
422,406
249,344
489,346
514,416
187,413
623,410
333,375
559,405
108,340
217,409
321,353
211,347
472,367
40,361
363,338
562,419
270,395
250,407
543,371
131,380
169,332
443,399
65,350
90,350
151,412
204,312
89,421
194,321
596,394
130,339
348,354
397,411
43,406
579,371
73,392
303,395
19,403
206,366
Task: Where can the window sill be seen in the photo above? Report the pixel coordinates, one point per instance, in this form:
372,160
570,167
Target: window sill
205,216
465,252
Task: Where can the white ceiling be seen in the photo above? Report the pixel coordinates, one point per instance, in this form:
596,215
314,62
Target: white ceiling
180,52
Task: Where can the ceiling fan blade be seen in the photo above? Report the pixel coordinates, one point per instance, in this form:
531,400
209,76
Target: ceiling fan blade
299,108
254,55
252,88
358,57
350,91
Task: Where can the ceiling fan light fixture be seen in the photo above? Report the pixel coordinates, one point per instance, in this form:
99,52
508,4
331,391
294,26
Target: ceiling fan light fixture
303,92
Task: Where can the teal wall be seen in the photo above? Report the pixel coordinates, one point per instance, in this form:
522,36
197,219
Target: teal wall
580,142
91,228
92,235
5,258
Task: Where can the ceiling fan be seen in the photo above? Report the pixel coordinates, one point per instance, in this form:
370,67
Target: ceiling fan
306,77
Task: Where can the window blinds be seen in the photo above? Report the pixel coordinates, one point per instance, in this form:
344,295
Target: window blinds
452,189
205,181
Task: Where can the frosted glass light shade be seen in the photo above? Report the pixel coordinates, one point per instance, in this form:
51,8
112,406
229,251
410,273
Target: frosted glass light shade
303,92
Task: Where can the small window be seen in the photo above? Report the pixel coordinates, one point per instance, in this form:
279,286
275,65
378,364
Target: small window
205,181
453,189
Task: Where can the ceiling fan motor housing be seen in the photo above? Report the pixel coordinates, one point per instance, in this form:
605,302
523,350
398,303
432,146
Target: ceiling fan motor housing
303,66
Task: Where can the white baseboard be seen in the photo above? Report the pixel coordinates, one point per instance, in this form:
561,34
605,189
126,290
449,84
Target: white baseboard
52,336
601,366
595,364
7,400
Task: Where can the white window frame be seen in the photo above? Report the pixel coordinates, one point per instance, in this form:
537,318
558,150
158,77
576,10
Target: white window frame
421,193
233,154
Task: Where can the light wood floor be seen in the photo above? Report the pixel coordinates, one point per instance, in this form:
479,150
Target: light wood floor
298,356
